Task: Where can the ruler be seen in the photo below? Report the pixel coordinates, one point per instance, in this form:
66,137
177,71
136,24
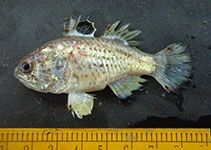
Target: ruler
105,139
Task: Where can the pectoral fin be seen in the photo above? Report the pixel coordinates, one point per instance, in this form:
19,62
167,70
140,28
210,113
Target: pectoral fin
80,104
124,87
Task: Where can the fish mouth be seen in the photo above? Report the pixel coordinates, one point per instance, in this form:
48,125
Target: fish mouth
18,74
27,83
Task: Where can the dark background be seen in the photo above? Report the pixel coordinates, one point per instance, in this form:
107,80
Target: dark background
27,24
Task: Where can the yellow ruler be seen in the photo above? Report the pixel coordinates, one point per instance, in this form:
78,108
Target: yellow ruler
105,139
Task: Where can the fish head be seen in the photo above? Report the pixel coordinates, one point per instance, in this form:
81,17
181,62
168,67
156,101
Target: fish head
35,70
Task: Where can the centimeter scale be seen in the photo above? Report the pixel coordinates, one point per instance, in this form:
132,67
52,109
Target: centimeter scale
104,139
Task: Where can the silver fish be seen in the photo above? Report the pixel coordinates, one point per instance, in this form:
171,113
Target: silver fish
79,63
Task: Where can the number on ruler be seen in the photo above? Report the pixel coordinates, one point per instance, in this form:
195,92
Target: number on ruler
100,147
76,148
1,147
26,147
126,147
150,146
50,147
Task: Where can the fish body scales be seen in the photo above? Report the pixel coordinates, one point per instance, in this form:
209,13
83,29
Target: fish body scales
96,62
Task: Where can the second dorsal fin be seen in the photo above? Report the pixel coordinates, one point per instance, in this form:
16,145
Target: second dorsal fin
122,34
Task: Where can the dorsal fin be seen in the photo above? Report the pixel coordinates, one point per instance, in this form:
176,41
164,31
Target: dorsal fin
122,34
75,27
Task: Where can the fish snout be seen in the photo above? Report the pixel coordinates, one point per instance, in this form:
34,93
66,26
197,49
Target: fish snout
16,72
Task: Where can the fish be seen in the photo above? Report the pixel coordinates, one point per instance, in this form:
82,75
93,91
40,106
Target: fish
79,63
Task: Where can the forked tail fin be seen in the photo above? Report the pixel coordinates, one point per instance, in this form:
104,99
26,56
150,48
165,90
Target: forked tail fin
173,66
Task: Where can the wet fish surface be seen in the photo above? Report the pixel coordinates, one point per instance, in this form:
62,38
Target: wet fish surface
79,63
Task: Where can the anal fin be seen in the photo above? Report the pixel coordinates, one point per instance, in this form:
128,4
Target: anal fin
124,87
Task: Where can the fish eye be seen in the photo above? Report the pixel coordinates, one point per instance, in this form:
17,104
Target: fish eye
27,66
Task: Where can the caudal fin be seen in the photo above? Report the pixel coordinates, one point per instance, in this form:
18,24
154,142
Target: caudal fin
173,67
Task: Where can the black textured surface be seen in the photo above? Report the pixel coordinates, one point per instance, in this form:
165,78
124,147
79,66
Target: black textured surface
27,24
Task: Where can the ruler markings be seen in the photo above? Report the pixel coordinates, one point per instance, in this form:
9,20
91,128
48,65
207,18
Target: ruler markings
151,137
131,138
37,136
121,136
206,139
87,136
51,136
47,137
67,136
91,136
126,136
101,136
146,136
7,141
12,136
156,136
22,135
27,136
42,137
32,141
181,135
116,136
201,137
186,137
210,137
56,140
82,141
17,136
76,136
106,141
196,137
141,136
136,136
191,137
2,136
